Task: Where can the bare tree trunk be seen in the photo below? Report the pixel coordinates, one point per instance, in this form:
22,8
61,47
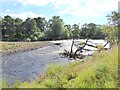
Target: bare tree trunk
71,51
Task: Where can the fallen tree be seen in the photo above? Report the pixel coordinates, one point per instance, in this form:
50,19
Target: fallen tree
80,48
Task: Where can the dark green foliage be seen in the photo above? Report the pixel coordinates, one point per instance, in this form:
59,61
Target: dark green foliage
76,31
56,26
8,27
40,29
88,30
41,23
17,28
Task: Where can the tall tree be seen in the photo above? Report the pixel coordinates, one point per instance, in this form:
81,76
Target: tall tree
18,30
111,33
69,27
114,18
8,25
75,34
112,29
88,30
76,31
56,25
98,32
41,23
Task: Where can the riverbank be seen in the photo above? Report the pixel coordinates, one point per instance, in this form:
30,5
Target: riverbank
15,47
100,71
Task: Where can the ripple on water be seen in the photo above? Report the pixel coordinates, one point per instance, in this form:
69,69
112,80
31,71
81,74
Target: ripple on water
25,65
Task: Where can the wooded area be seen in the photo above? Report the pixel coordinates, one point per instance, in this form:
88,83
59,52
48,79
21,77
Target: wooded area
35,29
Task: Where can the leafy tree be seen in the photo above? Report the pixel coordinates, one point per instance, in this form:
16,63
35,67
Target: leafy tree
98,32
30,28
39,29
48,35
56,25
65,34
111,30
114,18
88,30
25,28
8,27
69,28
18,23
111,33
76,31
41,23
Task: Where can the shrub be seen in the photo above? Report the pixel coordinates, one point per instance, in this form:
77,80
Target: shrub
28,39
35,38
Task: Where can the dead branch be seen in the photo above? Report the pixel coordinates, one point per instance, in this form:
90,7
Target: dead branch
80,48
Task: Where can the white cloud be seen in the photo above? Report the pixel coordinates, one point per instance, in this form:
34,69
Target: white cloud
56,3
35,2
25,15
90,8
7,11
68,3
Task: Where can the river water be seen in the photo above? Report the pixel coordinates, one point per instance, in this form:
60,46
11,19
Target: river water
26,65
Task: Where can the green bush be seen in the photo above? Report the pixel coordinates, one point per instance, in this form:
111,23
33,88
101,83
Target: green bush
28,39
35,38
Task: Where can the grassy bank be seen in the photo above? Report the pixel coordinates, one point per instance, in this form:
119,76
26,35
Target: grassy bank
100,71
11,47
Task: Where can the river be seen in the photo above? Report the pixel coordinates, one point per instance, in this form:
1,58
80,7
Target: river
25,66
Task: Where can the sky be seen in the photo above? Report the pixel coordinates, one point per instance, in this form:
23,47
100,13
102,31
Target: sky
71,11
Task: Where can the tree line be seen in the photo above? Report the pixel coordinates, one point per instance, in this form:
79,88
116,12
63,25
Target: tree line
37,29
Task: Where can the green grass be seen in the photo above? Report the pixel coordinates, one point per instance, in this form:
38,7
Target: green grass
100,71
